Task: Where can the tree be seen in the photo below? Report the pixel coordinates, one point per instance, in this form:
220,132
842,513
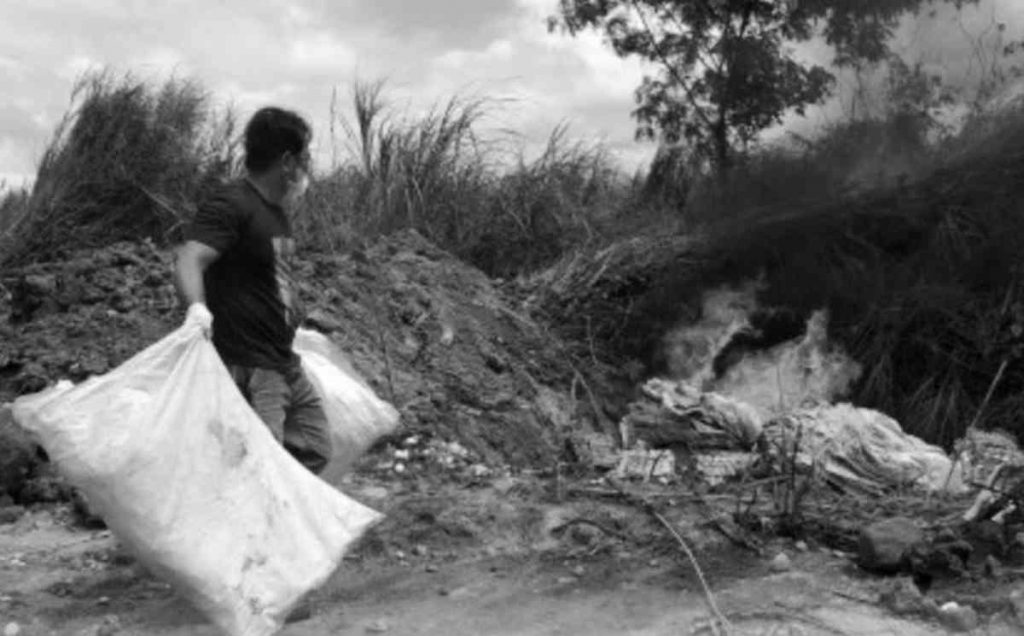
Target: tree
725,68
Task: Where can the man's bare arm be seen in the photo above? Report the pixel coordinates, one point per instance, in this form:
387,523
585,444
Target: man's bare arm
191,262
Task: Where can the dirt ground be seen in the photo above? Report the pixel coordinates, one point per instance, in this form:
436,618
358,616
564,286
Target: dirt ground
500,556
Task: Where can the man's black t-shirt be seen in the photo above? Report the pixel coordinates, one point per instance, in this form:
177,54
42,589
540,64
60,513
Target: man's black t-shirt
249,289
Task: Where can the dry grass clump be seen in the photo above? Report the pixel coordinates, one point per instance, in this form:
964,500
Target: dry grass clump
480,199
126,162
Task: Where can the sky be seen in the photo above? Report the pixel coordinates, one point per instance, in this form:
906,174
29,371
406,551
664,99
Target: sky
295,53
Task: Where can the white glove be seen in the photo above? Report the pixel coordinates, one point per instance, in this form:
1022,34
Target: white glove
199,316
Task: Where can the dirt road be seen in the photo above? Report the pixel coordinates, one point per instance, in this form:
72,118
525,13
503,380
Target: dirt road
420,574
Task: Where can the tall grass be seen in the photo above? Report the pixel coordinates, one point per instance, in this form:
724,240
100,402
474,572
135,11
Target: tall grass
131,159
13,208
479,198
127,161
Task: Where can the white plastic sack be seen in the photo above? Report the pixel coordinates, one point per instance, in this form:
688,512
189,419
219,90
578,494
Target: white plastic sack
863,449
356,415
168,451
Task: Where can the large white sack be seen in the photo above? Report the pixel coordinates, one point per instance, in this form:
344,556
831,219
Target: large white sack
188,477
357,417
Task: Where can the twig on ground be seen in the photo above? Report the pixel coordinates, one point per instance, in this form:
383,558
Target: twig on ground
590,522
709,596
977,417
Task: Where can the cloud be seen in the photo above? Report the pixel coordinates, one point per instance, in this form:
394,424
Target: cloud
298,52
320,51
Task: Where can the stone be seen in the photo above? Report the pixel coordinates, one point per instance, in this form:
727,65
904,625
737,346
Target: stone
17,454
801,546
883,544
958,618
85,515
111,625
374,493
781,563
902,597
379,626
10,514
323,321
993,567
12,629
1017,603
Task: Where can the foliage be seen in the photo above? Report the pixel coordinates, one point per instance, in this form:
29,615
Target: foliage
13,207
482,200
725,69
126,162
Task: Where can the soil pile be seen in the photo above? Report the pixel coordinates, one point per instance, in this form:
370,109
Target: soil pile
426,331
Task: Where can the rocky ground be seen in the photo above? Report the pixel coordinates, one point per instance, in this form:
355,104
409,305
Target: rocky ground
501,555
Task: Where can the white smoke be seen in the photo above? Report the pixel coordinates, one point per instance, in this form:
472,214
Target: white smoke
808,370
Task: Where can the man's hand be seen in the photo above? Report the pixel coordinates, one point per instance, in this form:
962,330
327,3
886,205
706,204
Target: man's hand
199,316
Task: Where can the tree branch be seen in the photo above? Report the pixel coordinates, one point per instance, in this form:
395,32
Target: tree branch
672,69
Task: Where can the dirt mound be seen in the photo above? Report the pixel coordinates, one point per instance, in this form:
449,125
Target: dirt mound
428,333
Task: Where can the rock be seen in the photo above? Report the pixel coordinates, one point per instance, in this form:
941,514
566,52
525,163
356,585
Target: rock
379,626
12,629
883,544
1017,603
322,321
928,561
993,567
585,534
781,563
373,492
420,550
801,546
111,626
85,515
10,514
958,618
903,597
17,454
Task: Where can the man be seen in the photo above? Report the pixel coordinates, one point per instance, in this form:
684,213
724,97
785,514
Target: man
234,271
236,260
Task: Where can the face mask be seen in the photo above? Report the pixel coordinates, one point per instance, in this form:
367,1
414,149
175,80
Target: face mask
296,190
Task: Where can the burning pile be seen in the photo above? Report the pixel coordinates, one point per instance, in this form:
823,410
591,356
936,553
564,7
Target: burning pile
727,410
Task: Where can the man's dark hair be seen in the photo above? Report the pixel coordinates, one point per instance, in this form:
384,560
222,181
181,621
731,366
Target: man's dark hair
270,134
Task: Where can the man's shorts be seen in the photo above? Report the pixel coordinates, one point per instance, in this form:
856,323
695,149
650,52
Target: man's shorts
290,407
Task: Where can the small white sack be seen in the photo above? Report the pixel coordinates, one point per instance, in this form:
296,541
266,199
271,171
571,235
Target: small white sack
188,477
357,417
